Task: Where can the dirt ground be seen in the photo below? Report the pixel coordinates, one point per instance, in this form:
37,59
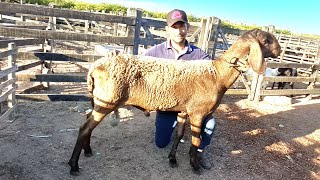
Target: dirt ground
251,141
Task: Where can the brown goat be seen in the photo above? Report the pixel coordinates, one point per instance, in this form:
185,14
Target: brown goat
194,88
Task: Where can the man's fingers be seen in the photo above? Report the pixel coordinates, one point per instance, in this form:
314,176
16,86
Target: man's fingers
113,53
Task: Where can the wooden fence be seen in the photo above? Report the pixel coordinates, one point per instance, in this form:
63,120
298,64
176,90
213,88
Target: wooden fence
131,31
308,89
71,25
7,87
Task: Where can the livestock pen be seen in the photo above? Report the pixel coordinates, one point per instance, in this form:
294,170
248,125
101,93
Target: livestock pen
251,140
41,25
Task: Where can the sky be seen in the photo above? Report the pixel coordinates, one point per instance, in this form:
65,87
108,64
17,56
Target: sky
297,16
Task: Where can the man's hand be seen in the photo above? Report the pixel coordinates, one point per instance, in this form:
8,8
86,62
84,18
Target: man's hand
113,53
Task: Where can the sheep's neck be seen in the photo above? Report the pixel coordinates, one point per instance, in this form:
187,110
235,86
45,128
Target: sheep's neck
226,74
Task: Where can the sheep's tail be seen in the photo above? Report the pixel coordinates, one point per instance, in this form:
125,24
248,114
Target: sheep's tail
90,83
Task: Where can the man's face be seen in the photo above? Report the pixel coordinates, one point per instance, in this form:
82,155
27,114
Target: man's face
178,31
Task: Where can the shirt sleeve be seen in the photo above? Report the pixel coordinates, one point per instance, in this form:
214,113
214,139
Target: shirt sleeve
199,53
151,51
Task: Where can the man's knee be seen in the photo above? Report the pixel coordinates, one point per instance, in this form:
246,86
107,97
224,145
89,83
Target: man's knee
209,126
164,128
162,143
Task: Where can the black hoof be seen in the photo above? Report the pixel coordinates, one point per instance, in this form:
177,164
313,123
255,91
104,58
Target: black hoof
88,154
195,165
74,168
173,163
74,172
196,171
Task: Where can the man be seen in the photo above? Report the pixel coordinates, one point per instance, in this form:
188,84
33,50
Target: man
178,48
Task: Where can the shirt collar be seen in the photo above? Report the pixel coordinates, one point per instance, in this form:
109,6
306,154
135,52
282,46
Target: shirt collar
168,45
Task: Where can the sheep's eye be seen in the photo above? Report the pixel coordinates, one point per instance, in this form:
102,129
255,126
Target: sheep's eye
266,41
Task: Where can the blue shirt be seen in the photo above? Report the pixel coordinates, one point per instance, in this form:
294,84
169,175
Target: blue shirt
165,50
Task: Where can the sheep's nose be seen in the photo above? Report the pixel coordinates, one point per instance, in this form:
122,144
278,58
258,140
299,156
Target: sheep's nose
276,52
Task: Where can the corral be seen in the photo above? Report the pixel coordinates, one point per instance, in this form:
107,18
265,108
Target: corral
252,141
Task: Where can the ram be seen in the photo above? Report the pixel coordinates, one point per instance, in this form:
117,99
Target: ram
194,88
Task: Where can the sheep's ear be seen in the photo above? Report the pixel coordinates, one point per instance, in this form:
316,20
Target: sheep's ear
256,58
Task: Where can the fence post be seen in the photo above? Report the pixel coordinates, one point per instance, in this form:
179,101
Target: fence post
209,34
202,32
134,31
86,29
1,109
51,26
314,73
258,88
283,51
115,28
214,31
12,63
22,18
254,83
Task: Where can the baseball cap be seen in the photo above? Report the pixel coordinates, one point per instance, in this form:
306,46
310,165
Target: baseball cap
175,16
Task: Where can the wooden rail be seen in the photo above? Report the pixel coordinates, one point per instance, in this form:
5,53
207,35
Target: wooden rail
21,42
9,8
257,91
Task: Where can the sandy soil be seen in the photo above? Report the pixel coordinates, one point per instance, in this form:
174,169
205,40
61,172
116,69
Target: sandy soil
252,141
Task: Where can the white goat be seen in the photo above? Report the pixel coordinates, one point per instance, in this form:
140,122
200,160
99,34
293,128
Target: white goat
192,87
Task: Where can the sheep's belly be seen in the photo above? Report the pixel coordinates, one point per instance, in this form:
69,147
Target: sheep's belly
152,99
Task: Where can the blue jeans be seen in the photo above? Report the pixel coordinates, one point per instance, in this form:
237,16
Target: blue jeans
166,122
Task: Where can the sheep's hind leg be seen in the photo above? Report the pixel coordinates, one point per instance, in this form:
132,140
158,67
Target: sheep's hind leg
83,140
179,134
195,132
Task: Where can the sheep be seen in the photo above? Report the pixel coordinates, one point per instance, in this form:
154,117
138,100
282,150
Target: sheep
194,88
290,72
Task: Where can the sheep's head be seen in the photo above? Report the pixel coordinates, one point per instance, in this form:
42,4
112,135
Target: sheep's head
253,46
263,45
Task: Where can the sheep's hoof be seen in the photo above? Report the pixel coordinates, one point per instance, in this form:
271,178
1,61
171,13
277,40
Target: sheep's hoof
196,171
173,163
74,169
195,165
74,172
88,154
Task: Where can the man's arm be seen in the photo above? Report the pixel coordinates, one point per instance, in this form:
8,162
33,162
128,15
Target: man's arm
204,55
151,51
200,53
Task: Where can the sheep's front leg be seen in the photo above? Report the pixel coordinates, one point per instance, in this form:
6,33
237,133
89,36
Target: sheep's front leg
195,133
179,134
83,140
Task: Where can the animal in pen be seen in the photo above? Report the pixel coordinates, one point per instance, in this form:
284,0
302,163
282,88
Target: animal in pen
269,72
289,72
194,88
